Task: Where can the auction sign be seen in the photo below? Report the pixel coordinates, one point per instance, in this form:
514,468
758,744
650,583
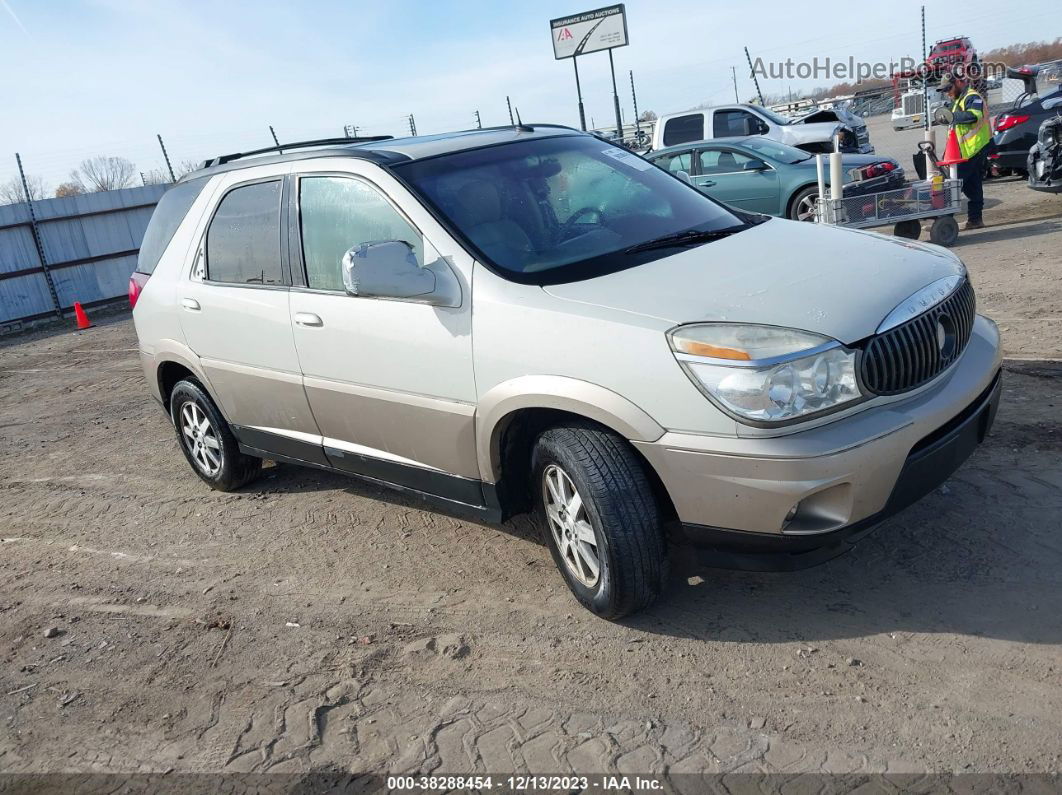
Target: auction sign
593,31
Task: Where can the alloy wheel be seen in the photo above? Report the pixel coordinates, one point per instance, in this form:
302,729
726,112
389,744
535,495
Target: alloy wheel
201,439
570,526
805,209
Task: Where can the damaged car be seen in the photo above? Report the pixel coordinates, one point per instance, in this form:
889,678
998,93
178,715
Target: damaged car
742,121
1045,158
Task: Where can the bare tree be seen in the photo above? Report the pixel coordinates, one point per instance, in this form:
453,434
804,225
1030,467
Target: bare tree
186,167
156,176
106,173
67,189
647,115
11,192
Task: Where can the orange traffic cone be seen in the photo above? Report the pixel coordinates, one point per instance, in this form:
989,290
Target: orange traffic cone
82,319
952,155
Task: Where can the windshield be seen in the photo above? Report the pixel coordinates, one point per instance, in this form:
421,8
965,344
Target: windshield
776,151
777,118
560,209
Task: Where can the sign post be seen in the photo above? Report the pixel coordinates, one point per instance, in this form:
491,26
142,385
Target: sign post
592,31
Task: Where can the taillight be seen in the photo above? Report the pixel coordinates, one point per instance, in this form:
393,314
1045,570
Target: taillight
1008,120
136,286
876,170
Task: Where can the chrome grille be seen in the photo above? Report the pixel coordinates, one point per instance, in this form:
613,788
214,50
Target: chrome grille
915,352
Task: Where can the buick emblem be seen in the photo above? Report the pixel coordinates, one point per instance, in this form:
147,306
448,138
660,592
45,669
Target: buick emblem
942,336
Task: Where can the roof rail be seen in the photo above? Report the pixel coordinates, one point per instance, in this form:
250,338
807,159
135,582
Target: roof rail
222,159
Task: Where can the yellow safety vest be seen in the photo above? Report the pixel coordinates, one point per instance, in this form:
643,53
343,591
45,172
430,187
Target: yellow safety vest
972,137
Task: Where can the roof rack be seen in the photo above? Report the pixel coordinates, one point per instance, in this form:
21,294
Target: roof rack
222,159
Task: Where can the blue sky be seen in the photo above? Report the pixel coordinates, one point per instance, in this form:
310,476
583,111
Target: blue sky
104,76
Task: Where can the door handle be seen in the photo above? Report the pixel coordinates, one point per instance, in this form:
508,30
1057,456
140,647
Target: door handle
190,304
708,183
308,319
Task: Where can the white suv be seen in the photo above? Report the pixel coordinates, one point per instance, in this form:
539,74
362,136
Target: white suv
529,317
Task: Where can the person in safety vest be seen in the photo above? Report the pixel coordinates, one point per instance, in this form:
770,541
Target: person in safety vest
968,115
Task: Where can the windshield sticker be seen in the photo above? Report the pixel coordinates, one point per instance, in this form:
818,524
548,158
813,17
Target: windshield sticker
627,158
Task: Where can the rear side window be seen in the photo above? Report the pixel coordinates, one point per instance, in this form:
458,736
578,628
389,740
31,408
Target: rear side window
169,212
243,242
679,161
683,129
735,123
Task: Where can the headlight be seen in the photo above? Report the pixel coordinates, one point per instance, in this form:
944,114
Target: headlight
766,374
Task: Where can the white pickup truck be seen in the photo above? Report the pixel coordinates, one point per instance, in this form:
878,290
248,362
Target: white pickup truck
741,120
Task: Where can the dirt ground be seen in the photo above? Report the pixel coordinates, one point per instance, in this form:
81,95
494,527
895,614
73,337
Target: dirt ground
312,622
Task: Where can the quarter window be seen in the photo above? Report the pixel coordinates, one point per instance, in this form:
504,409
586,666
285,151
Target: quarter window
338,214
243,242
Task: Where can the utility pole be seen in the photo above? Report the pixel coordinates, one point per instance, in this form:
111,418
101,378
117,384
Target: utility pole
37,239
412,126
615,97
752,73
733,74
634,97
479,122
143,179
510,104
579,93
167,158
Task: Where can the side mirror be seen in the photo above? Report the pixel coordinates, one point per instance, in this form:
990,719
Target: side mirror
756,165
684,176
389,269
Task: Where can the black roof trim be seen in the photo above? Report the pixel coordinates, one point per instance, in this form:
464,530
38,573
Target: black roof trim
221,160
374,149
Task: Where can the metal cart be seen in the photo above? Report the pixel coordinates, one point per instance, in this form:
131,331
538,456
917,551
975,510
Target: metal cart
904,207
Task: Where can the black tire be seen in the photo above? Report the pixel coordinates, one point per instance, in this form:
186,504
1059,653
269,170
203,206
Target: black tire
909,229
944,231
800,197
234,469
620,507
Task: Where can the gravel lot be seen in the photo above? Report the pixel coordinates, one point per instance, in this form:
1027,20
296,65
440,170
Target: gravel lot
312,622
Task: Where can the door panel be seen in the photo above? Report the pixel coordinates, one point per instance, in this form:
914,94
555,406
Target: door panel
236,316
388,380
722,176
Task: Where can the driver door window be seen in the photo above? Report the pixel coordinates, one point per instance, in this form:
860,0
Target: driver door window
726,161
736,123
339,213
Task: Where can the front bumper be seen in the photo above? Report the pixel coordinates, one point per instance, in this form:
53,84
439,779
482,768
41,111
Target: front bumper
732,495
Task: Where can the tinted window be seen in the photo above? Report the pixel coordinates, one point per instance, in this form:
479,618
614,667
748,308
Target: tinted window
735,123
243,244
683,129
169,213
560,209
675,162
723,162
339,214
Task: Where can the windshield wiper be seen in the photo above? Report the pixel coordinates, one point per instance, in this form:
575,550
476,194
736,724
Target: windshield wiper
690,237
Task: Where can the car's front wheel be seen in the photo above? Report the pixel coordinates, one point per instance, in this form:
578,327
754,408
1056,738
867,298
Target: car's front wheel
206,440
601,518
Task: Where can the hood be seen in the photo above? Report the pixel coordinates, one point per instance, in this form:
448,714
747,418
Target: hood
796,134
833,281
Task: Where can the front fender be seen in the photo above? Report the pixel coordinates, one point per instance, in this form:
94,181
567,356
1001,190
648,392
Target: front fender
499,405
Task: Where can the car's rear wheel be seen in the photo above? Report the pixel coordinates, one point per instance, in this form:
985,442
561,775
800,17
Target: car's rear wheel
802,205
207,441
602,521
